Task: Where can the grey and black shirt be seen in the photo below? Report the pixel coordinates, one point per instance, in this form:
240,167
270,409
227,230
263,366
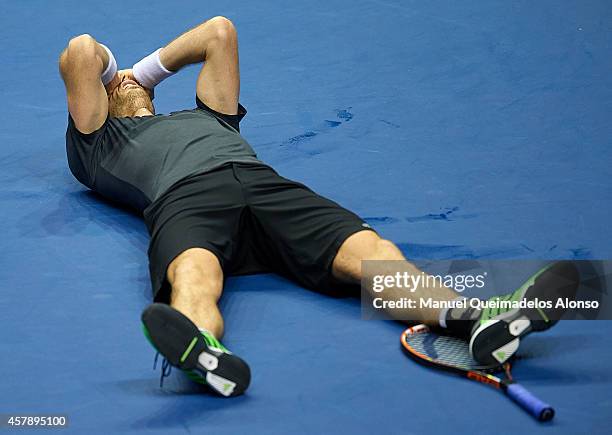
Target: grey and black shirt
135,160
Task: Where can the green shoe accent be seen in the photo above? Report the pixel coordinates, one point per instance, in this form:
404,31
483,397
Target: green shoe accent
489,313
501,356
189,348
544,316
198,379
212,341
208,338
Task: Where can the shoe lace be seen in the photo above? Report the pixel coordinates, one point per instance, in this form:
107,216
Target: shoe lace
166,369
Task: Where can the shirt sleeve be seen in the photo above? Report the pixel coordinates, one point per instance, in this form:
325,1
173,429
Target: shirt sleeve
82,149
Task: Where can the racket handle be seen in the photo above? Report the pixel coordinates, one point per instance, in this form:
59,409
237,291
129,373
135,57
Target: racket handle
530,403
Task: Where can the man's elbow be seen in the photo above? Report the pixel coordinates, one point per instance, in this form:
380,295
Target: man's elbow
80,50
222,29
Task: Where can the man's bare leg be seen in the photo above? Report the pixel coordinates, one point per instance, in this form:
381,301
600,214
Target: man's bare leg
367,245
492,340
187,332
196,279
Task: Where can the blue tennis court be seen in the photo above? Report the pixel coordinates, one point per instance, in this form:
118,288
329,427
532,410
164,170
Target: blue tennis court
457,129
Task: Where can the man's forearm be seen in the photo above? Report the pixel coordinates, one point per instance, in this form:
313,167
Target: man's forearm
213,42
189,48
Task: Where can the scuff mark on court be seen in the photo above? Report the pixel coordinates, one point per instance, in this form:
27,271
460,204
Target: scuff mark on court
344,115
380,220
448,214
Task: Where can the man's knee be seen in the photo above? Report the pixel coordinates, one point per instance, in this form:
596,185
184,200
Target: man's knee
364,245
385,250
223,30
368,245
196,269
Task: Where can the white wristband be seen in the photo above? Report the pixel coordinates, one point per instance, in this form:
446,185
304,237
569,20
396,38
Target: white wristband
111,68
150,71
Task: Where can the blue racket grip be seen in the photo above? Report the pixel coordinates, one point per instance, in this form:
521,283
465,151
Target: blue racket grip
540,410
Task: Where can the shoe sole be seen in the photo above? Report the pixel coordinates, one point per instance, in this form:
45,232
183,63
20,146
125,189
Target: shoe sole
495,341
179,340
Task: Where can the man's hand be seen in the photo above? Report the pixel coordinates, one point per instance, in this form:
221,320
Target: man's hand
110,87
125,74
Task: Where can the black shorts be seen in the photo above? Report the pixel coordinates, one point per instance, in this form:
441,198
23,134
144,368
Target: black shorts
254,221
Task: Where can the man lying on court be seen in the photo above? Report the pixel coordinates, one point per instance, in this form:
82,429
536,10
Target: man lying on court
213,209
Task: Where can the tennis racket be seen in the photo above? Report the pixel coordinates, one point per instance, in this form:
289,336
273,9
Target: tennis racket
453,355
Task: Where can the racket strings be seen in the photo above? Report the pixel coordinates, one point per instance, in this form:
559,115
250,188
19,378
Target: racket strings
443,349
452,355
